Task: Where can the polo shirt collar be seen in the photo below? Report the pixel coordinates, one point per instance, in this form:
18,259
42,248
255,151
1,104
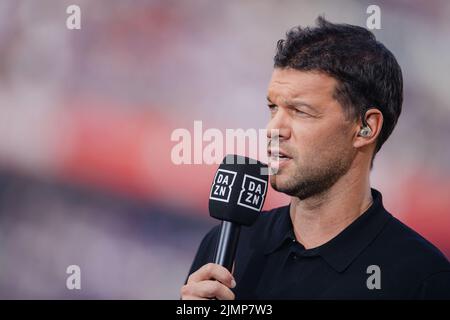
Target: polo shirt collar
340,251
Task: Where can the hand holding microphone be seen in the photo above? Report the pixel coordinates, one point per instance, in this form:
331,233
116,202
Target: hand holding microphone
237,196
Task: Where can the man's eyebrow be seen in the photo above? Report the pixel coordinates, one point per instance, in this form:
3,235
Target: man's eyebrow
296,103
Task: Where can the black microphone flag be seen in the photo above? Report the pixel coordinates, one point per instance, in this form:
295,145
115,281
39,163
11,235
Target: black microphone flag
237,196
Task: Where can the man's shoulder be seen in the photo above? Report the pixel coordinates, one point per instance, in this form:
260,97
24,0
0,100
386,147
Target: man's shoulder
412,248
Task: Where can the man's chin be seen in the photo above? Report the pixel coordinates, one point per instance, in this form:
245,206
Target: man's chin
283,183
278,182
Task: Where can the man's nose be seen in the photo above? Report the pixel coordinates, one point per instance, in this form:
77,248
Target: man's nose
279,126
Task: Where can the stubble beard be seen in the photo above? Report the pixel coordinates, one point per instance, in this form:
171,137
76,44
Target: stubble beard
305,181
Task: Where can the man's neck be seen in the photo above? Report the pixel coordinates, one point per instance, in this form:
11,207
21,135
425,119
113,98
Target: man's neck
320,218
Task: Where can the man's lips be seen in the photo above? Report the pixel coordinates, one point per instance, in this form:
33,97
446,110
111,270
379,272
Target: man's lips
278,154
277,159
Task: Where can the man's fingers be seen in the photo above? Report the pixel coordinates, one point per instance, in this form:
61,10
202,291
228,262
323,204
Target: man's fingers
213,271
210,281
209,289
193,298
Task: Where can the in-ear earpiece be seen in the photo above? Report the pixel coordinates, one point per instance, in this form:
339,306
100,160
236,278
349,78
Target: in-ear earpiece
365,131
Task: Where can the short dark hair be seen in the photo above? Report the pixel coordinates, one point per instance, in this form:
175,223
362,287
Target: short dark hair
367,73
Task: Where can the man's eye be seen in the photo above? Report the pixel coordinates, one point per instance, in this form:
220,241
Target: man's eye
300,112
272,107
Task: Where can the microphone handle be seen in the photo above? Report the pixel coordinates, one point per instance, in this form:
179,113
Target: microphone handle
227,244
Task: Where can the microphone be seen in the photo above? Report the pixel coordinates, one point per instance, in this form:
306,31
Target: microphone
237,196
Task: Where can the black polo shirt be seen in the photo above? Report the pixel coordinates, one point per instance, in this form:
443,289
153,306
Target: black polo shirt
375,257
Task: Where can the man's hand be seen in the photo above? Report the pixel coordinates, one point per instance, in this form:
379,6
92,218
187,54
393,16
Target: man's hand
210,281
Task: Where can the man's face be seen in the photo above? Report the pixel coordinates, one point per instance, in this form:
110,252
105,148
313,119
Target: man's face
314,133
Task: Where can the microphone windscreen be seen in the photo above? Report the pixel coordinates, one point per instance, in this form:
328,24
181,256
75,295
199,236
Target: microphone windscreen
239,190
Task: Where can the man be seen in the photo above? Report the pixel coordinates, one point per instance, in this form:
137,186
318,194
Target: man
335,96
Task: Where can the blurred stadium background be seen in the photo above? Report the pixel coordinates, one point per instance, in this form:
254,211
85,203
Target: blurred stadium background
86,118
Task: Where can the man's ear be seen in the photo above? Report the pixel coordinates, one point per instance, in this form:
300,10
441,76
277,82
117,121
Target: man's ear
368,132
